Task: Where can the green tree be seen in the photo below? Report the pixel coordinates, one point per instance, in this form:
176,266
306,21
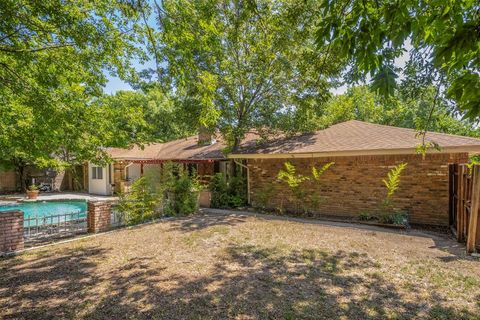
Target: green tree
369,35
404,109
53,58
238,65
139,117
358,103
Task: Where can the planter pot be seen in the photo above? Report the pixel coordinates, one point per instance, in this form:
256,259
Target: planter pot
32,194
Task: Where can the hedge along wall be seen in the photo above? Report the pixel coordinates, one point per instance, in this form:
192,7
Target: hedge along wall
354,184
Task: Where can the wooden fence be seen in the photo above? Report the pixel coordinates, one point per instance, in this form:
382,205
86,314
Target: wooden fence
465,204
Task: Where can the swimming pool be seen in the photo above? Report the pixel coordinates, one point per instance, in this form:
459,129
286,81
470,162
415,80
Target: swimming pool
49,212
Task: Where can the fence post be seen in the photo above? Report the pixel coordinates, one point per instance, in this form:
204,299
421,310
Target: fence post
460,201
11,231
475,205
98,216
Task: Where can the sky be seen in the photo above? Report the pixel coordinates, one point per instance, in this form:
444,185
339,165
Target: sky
116,84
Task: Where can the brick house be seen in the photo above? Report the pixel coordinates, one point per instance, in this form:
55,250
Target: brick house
363,154
203,153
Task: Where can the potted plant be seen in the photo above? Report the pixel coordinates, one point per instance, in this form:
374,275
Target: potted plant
32,192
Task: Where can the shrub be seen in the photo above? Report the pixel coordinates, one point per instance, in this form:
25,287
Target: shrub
181,190
398,218
303,199
228,194
219,188
171,191
365,216
141,203
289,176
392,182
388,214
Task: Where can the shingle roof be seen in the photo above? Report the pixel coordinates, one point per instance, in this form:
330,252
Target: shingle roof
356,137
351,137
181,149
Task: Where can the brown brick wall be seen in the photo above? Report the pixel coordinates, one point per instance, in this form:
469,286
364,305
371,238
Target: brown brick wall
354,184
11,231
98,216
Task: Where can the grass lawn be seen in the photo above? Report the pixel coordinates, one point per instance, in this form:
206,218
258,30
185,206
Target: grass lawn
244,267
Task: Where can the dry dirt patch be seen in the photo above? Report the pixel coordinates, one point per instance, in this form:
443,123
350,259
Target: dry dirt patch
244,267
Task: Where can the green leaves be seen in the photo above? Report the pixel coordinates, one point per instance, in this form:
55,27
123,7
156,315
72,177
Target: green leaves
289,176
393,179
293,180
384,81
370,35
238,65
317,173
466,90
52,61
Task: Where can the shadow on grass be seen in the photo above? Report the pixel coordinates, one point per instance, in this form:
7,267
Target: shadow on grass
442,241
249,282
65,276
204,221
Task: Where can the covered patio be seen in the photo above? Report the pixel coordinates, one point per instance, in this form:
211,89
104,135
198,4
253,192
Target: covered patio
202,153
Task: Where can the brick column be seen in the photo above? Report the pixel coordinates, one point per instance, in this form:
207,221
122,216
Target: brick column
11,231
98,216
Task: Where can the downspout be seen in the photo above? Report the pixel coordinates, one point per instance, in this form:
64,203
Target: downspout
248,179
125,170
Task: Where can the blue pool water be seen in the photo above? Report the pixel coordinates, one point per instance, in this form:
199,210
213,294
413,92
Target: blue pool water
49,212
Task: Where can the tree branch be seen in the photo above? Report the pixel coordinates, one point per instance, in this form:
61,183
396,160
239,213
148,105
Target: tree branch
48,47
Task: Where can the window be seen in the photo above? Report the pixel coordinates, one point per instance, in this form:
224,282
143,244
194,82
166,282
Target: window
97,173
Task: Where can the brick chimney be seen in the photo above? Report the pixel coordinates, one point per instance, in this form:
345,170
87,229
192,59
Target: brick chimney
204,136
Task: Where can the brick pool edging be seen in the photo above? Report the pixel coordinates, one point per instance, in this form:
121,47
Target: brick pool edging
12,238
11,231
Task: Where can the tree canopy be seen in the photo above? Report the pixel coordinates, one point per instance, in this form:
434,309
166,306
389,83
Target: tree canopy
238,65
232,65
54,57
444,35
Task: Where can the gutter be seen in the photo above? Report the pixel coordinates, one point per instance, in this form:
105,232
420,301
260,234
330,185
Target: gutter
349,153
248,179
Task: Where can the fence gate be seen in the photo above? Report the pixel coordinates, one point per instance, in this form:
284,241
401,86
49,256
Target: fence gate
465,204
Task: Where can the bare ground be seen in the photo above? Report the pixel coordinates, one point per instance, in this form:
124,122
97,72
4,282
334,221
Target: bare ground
244,267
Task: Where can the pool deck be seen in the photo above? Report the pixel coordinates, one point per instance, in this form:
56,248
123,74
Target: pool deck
12,198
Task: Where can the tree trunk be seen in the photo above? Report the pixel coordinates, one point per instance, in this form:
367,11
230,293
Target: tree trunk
236,144
20,170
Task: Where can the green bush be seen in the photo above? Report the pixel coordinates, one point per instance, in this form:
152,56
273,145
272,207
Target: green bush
181,190
304,200
365,216
228,194
219,188
170,191
388,213
398,218
142,202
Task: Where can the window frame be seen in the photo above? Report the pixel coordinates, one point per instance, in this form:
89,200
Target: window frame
97,173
